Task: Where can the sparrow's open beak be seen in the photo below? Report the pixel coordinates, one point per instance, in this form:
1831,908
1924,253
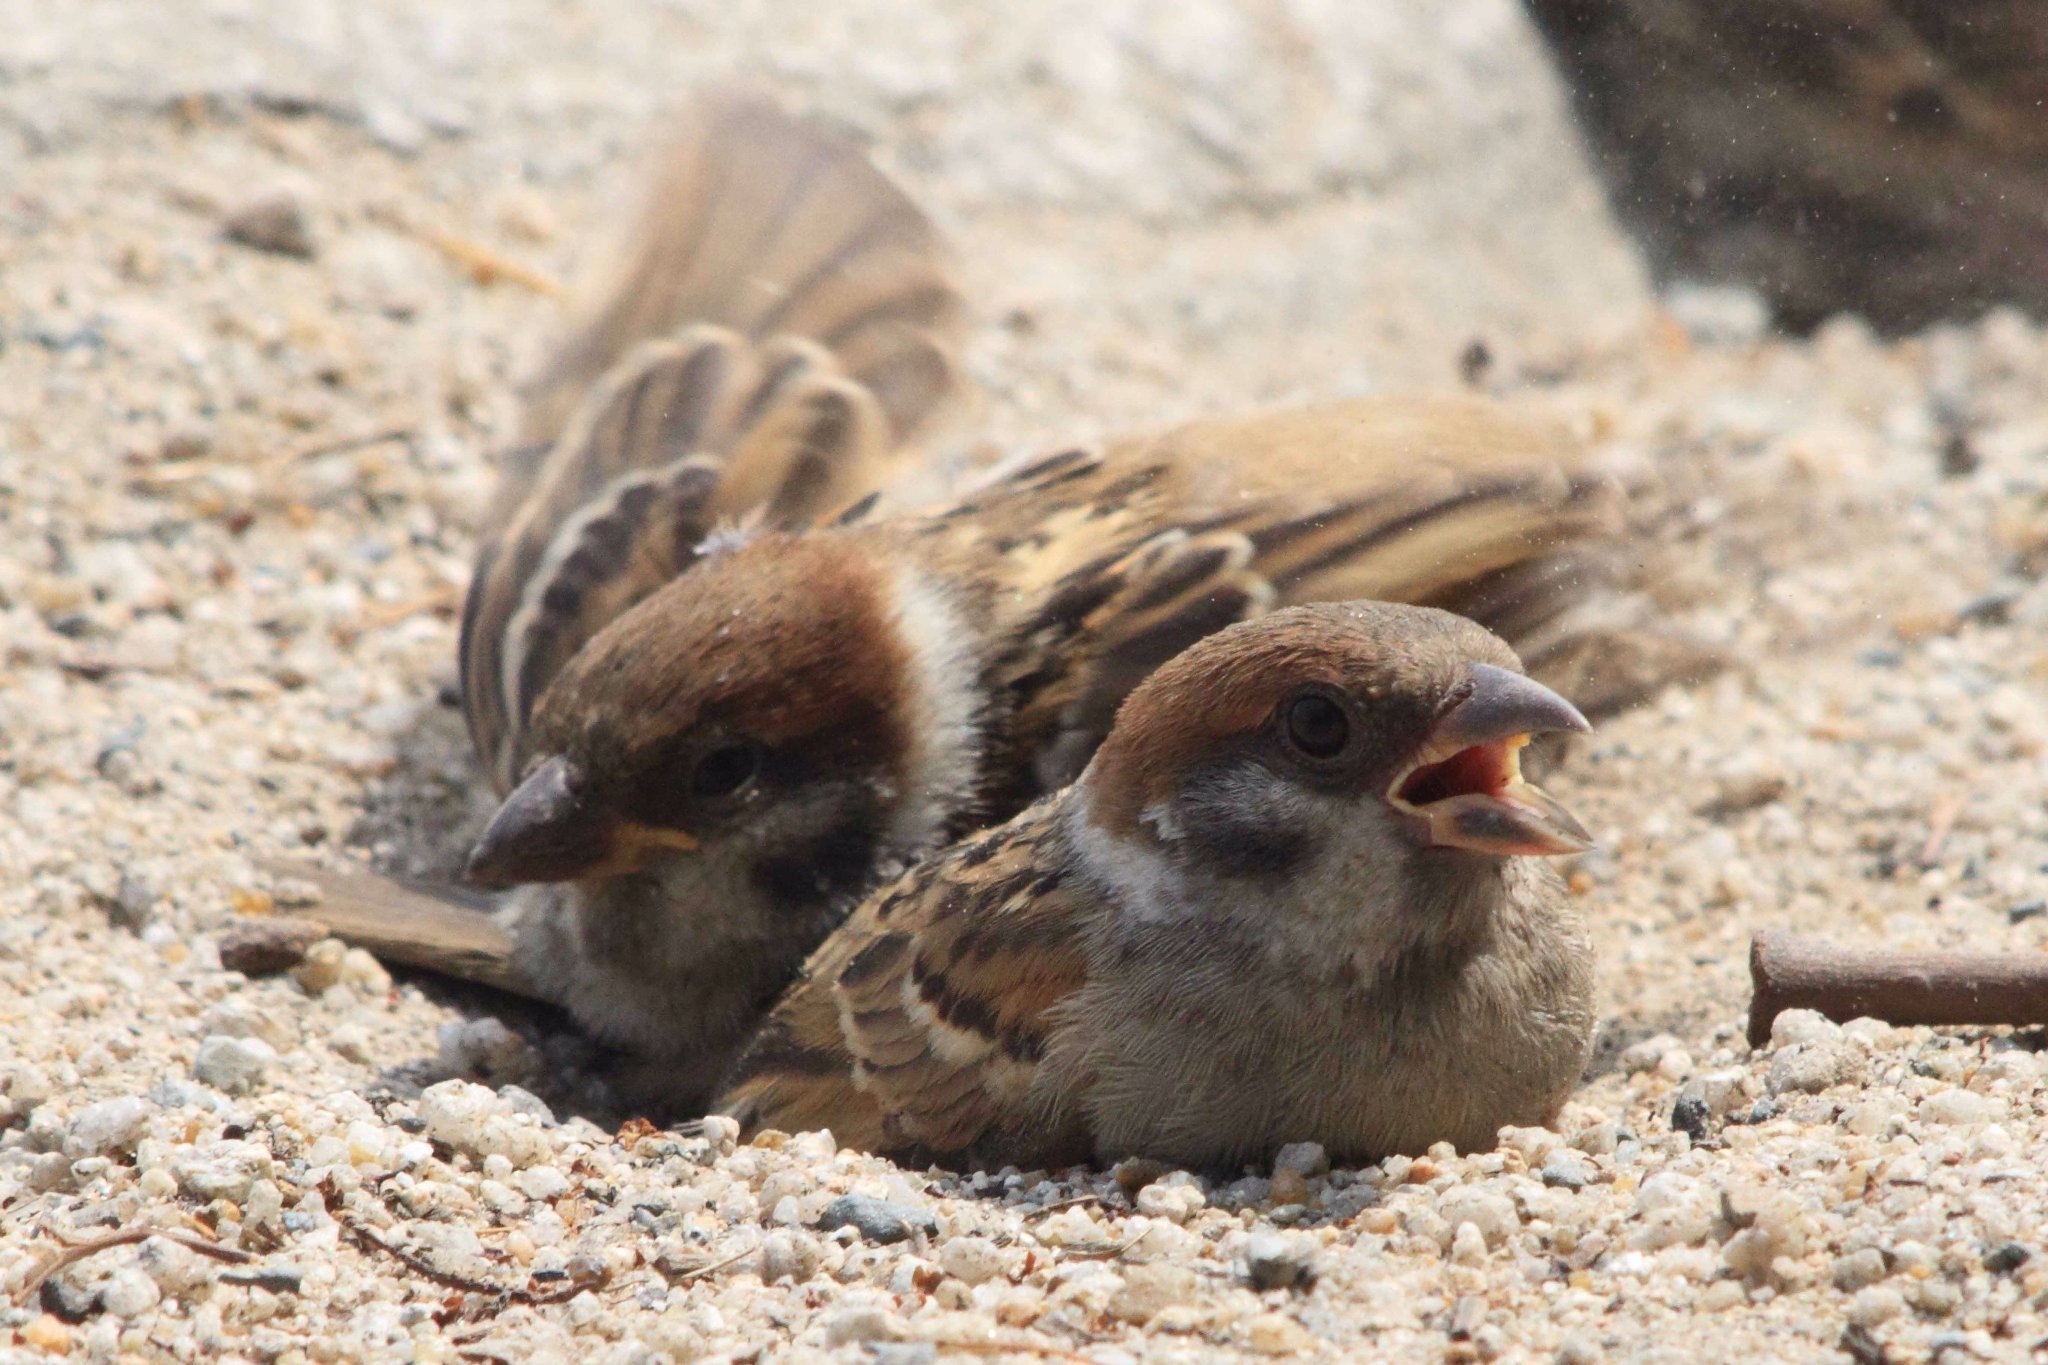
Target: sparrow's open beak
549,830
1466,787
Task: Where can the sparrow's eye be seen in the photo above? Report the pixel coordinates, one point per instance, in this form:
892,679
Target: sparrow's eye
1317,726
724,770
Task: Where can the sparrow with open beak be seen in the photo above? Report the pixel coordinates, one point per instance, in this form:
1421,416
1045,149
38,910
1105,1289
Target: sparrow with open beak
1296,896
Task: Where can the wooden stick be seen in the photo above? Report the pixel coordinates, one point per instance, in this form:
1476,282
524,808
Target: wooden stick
1791,971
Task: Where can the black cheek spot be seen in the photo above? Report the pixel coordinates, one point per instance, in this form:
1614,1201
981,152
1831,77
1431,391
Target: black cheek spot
1233,826
835,865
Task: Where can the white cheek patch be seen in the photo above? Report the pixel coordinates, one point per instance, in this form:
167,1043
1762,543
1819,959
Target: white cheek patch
1143,886
944,764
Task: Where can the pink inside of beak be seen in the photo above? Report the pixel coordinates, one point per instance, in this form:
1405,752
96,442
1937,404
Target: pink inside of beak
1482,770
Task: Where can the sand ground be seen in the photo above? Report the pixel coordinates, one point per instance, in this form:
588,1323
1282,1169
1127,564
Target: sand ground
237,493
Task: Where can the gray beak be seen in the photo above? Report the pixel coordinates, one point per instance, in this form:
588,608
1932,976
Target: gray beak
547,830
1466,787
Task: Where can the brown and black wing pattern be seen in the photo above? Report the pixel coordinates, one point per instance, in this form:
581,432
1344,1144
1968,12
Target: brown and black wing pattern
920,1025
778,324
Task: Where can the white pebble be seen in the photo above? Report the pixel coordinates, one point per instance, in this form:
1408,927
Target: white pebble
129,1293
971,1260
541,1182
1954,1106
1803,1026
106,1127
1876,1306
1468,1245
235,1065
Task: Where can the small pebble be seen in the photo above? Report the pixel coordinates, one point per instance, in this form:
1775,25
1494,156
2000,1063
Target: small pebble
235,1065
1580,1349
971,1260
1690,1116
320,970
1858,1270
274,221
1273,1261
1875,1306
1803,1026
1811,1067
876,1220
1307,1158
107,1127
2007,1257
47,1334
1954,1107
1276,1334
1468,1245
266,945
128,1293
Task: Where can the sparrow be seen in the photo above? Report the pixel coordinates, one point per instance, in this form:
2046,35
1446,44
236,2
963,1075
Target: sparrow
724,688
1295,896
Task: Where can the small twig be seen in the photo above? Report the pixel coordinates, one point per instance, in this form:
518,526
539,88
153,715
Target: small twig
1106,1253
1941,819
1067,1203
486,264
342,445
686,1276
380,614
422,1267
1788,971
74,1252
448,1279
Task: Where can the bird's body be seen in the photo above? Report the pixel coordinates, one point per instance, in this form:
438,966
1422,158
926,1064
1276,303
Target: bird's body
728,695
1237,964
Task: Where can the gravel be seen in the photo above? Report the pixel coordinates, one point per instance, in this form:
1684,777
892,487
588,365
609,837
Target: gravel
238,493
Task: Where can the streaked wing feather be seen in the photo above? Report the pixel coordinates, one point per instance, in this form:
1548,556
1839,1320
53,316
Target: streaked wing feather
941,990
779,316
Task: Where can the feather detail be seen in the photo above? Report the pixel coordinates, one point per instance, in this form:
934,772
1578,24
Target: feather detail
777,323
936,999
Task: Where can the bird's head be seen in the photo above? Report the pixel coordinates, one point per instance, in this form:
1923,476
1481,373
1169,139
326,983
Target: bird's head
752,731
1336,756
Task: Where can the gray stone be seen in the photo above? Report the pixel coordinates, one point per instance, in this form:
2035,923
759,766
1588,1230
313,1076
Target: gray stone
876,1220
274,221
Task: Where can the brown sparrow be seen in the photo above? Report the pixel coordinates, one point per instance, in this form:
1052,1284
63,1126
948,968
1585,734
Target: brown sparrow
1292,898
722,718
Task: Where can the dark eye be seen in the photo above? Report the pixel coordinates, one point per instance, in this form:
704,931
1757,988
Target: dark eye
724,770
1317,726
